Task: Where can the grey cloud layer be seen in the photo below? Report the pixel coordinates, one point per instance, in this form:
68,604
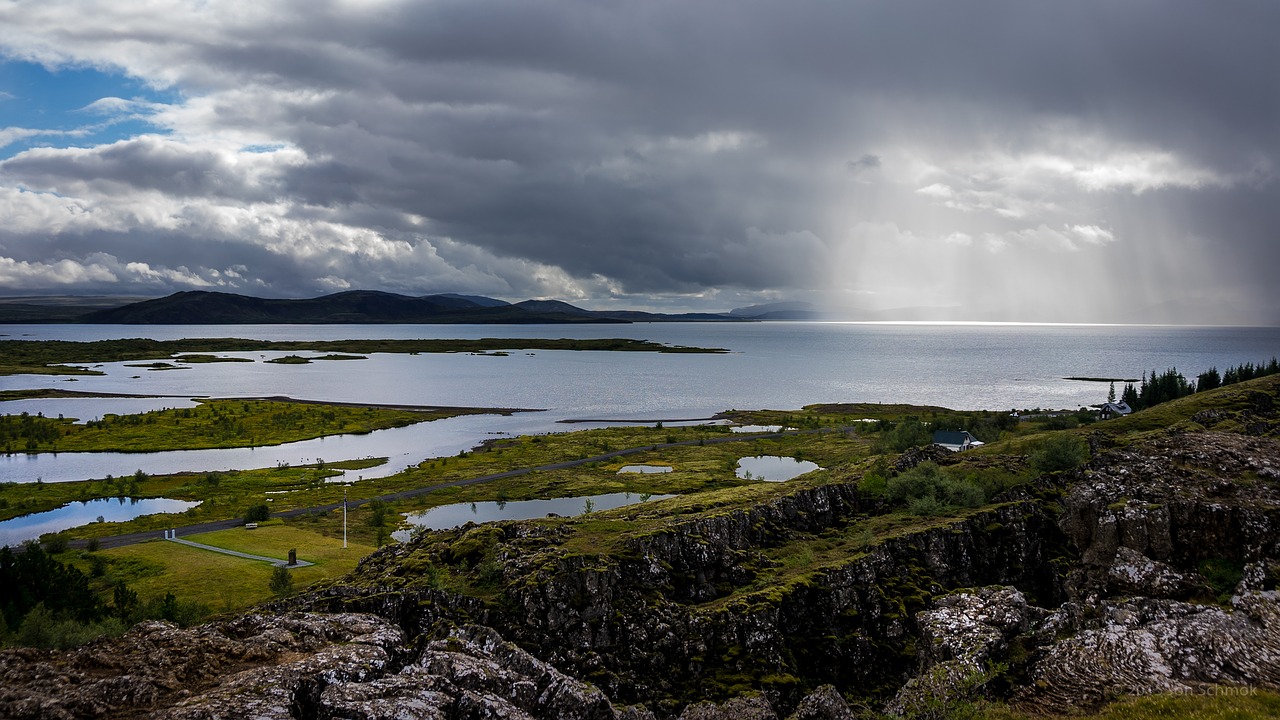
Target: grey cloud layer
991,155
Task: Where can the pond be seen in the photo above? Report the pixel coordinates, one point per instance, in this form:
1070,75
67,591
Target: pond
644,469
452,516
758,428
30,527
772,468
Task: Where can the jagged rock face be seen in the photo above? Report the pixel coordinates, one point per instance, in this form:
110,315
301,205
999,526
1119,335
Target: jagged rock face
655,623
298,666
1165,501
1143,646
960,636
157,663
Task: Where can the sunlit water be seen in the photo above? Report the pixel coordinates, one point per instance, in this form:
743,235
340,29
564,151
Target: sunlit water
75,514
644,469
770,365
458,514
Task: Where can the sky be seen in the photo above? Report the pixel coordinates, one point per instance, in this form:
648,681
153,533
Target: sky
1091,161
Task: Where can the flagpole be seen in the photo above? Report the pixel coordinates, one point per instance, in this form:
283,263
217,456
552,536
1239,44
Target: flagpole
344,518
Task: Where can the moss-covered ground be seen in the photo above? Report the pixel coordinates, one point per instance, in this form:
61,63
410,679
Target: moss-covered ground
1211,703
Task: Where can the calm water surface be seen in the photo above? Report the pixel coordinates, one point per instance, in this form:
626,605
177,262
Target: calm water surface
770,365
75,514
772,468
458,514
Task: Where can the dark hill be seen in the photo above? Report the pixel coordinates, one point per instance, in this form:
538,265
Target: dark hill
199,307
357,306
555,306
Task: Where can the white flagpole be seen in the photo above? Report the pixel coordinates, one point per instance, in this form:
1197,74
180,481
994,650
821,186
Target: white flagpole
344,518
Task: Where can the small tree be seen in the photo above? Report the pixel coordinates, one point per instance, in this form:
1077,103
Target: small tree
281,581
377,513
37,628
1111,393
257,513
125,601
1130,396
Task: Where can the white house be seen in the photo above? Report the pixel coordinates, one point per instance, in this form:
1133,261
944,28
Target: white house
1114,409
955,440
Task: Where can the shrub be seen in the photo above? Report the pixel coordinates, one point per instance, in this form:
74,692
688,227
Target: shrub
928,490
905,435
1059,452
257,513
926,505
281,581
55,544
377,513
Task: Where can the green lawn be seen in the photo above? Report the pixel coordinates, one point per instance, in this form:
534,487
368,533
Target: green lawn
224,582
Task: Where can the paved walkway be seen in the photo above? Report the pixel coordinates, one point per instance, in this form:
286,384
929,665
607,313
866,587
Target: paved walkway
274,561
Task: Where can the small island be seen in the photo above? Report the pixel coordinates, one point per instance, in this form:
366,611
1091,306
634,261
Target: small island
64,357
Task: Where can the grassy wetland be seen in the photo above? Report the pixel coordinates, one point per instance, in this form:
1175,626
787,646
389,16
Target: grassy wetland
858,447
848,441
703,458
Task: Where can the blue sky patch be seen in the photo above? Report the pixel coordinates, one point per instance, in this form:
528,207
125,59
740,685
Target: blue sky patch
63,108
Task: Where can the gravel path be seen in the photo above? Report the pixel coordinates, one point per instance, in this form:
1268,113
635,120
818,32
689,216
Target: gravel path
274,561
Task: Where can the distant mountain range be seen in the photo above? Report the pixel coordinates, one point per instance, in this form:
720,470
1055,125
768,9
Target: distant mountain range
358,306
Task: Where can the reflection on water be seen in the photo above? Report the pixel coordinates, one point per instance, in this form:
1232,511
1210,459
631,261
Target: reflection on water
644,469
31,527
404,446
452,516
772,468
86,409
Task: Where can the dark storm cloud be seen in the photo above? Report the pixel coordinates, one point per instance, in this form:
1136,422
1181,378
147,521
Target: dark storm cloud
866,162
591,150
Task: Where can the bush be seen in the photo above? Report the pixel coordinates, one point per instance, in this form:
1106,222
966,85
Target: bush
55,544
927,490
44,629
281,581
905,435
1059,452
926,505
377,513
257,513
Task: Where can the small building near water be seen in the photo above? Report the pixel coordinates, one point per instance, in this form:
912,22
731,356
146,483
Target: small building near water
955,440
1114,409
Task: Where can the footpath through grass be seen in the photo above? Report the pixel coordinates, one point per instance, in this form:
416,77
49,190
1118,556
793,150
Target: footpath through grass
221,583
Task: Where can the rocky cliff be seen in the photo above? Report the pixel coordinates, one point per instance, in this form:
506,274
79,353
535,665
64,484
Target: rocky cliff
1152,568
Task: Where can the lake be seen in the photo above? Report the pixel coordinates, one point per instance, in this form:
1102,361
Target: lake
779,365
82,512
